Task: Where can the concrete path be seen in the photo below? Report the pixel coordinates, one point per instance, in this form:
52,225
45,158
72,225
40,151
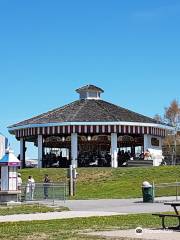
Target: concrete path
89,208
105,207
116,205
54,215
149,234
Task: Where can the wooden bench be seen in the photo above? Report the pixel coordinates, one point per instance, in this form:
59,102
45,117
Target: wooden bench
162,216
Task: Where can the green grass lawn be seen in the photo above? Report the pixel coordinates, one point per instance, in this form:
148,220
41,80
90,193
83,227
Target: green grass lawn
99,183
33,208
72,228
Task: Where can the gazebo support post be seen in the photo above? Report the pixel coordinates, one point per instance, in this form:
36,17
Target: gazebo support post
74,149
133,150
22,152
147,142
114,161
40,150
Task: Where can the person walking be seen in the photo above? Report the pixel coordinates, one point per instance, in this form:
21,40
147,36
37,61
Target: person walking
46,185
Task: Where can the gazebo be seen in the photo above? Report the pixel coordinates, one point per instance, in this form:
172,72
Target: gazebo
89,132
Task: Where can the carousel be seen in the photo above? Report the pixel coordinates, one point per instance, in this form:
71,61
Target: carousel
90,132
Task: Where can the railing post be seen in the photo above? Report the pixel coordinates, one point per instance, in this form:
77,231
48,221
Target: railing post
176,190
53,194
64,186
153,189
71,180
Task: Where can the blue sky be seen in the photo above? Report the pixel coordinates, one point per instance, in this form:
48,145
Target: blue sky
49,48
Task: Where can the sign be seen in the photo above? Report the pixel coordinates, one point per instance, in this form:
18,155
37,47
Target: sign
155,142
14,164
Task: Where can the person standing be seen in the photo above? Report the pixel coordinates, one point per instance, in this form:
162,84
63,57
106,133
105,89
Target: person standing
19,182
30,188
19,186
46,185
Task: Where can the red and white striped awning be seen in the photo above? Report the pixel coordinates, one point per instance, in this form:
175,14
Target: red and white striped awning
89,129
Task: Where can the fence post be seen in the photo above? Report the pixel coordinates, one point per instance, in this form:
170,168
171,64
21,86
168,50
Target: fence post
64,192
71,180
53,195
176,190
153,189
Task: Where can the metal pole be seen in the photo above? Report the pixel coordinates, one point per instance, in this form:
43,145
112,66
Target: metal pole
176,190
74,187
153,186
64,186
172,158
71,180
53,195
175,148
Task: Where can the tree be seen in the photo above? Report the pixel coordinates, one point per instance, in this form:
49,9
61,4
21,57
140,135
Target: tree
158,118
172,117
172,114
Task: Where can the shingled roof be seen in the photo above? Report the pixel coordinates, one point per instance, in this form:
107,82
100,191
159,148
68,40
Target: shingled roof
85,110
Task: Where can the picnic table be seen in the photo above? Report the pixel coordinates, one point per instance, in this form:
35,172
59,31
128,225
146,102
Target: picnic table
174,205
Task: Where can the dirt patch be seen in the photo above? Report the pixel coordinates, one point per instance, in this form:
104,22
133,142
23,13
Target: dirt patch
39,236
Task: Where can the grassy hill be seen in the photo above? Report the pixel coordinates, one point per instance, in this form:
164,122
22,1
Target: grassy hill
99,183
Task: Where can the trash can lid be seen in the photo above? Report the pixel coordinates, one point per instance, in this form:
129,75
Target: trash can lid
146,184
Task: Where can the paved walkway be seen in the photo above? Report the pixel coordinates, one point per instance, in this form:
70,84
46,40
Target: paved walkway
54,215
149,234
105,207
89,208
116,205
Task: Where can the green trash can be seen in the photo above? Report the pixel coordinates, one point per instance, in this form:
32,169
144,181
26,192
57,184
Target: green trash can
148,193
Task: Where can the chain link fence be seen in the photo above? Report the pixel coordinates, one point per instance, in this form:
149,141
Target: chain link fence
167,190
43,191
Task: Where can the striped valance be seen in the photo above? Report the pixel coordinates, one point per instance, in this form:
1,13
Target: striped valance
89,129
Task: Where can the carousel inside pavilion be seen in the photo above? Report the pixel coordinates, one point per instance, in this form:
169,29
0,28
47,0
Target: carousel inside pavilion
90,132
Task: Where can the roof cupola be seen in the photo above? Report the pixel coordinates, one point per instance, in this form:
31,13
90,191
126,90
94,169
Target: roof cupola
90,92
